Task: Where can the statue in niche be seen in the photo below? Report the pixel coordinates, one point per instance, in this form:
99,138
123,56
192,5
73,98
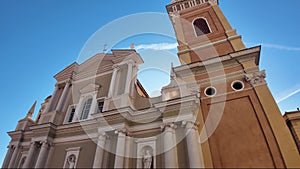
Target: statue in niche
71,161
147,160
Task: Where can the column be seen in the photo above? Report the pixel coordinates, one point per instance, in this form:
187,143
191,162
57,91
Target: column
63,97
129,76
14,157
31,153
106,153
8,156
113,81
193,145
128,151
42,158
120,152
51,101
134,75
98,159
170,149
50,154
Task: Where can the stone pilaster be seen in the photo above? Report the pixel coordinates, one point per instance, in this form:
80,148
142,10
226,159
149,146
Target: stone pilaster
63,97
99,155
113,81
42,158
8,156
14,156
29,160
50,154
128,151
130,65
193,145
120,151
170,146
49,105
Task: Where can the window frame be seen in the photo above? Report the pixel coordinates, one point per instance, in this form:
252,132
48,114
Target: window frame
82,111
194,27
69,111
100,100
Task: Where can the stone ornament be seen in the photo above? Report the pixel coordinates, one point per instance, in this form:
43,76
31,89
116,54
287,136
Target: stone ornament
256,79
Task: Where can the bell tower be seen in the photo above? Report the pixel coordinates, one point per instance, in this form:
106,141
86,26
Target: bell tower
241,125
202,30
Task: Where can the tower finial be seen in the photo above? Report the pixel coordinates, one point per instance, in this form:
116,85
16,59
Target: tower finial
31,111
172,75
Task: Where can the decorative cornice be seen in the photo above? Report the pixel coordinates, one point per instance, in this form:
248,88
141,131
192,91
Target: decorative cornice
243,53
181,5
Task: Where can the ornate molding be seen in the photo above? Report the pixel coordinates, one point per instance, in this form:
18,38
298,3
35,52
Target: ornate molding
256,79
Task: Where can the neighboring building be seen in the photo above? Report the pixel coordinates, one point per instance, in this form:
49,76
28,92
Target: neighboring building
293,121
216,112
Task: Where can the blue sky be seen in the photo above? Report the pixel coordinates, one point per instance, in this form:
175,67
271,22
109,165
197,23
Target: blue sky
40,38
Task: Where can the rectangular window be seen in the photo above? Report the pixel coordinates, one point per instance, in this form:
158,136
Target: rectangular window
71,115
100,106
86,109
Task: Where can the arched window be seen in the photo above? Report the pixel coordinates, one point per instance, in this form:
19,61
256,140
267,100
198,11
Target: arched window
201,27
86,109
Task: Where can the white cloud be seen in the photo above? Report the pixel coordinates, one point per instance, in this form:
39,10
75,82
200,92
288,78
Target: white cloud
288,95
275,46
158,46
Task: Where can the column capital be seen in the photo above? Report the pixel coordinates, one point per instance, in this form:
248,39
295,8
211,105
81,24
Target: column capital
122,131
45,144
130,62
116,67
69,81
190,124
10,146
256,79
102,136
15,146
32,143
168,127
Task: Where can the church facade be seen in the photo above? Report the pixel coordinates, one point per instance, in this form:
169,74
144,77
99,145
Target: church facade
216,112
